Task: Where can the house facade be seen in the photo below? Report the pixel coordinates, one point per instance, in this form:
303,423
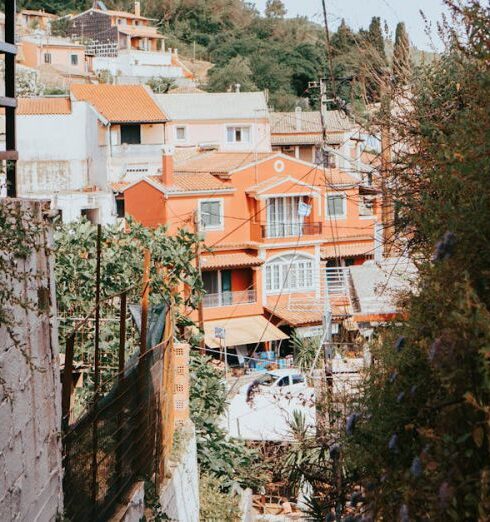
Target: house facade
62,54
281,233
126,45
228,122
74,148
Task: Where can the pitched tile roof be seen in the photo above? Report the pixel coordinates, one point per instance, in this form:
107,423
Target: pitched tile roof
213,106
352,250
122,14
309,122
298,317
43,106
120,103
189,182
236,260
222,162
139,30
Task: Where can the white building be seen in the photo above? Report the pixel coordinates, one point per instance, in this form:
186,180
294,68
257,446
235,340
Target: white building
229,122
71,150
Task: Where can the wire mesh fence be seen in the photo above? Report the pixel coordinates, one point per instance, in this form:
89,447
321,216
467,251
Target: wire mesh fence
117,441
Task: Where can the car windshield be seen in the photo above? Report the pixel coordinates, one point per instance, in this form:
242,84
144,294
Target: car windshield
266,380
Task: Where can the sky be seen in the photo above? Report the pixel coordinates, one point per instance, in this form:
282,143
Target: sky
358,13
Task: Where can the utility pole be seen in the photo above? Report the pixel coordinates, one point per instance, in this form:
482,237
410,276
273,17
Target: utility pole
200,308
387,211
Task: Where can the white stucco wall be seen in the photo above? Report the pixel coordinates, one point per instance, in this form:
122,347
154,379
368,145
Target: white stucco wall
215,133
30,395
179,497
142,64
52,151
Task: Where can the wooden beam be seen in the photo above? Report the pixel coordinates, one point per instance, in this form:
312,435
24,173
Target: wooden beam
6,101
8,48
9,155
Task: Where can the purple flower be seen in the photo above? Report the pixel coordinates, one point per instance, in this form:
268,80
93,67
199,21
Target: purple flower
416,468
444,248
400,397
351,423
393,443
334,451
404,516
445,494
392,377
413,389
400,343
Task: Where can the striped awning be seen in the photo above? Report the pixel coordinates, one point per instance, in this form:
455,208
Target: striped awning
242,330
349,250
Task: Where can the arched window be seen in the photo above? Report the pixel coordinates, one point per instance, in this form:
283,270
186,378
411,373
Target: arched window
292,273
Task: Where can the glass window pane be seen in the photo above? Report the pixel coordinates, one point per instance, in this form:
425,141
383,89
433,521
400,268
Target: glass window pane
335,205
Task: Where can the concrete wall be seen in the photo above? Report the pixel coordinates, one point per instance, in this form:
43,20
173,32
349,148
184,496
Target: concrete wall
179,497
30,395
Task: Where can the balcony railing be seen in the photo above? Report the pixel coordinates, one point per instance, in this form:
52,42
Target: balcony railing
278,230
229,299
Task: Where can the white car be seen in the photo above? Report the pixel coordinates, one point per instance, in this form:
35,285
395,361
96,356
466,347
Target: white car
274,381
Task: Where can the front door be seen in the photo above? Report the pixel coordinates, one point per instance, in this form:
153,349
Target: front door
226,287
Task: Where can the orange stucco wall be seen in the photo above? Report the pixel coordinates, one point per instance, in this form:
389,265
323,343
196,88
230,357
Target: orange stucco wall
244,214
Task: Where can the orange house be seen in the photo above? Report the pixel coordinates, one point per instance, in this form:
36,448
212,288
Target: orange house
280,230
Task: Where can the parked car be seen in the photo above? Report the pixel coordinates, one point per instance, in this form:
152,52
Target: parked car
285,380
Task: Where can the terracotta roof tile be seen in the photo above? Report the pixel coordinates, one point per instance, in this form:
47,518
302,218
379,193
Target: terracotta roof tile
122,14
120,103
43,106
189,182
236,260
222,162
139,30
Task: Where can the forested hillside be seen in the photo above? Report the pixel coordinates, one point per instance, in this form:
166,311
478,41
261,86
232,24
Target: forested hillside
269,51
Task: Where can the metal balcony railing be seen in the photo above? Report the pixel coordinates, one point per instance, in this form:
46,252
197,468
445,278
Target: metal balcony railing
292,229
229,299
337,280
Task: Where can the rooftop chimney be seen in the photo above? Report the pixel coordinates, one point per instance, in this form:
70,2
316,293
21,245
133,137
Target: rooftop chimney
298,114
137,8
168,165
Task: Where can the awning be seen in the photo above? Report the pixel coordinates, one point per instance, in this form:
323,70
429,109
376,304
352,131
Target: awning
352,250
242,330
237,260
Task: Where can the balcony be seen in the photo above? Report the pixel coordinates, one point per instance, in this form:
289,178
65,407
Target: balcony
140,150
229,299
283,230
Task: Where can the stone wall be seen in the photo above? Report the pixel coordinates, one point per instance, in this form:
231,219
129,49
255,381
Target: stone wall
30,396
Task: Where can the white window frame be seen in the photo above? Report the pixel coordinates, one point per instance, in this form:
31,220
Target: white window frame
184,139
221,225
344,205
235,127
282,274
369,216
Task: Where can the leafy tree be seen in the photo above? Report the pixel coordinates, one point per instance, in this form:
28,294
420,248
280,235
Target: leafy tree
401,55
421,443
275,9
236,71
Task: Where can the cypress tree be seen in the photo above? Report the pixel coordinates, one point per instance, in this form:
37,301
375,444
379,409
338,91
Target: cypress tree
401,55
375,37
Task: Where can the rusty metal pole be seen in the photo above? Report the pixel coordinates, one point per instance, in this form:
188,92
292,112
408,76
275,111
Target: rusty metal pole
122,337
97,314
67,385
200,308
144,300
97,371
